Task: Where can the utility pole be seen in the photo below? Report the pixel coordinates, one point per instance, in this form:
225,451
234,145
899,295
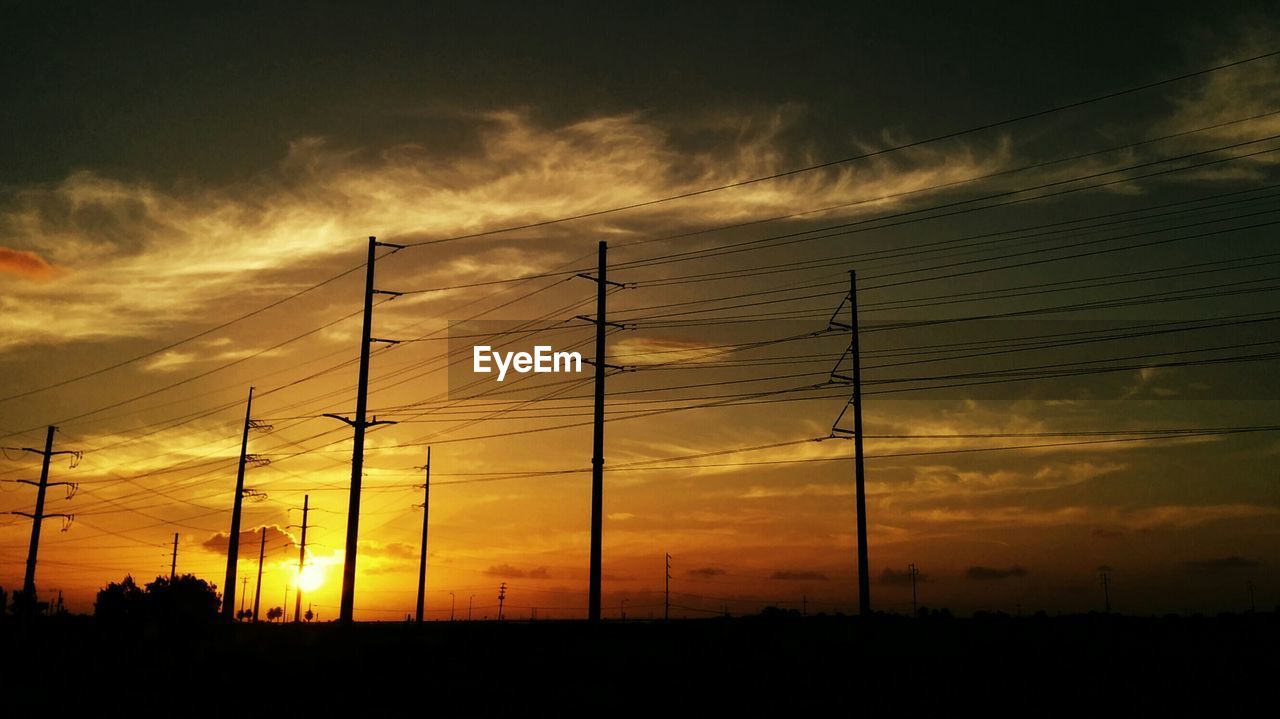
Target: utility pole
666,592
1106,591
502,597
860,492
244,589
422,563
38,516
914,572
471,599
302,556
346,609
233,539
453,600
257,590
864,570
597,436
173,564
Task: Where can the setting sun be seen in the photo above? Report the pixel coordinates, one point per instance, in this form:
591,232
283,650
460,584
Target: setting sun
310,578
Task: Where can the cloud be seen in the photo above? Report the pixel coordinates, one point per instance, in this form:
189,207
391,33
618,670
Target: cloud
791,575
251,540
150,256
24,264
986,574
705,572
509,572
391,550
1220,564
1138,518
899,578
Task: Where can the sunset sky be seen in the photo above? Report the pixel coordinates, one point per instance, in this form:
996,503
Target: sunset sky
1068,282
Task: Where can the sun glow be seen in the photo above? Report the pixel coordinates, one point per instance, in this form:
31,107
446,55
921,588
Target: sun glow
310,578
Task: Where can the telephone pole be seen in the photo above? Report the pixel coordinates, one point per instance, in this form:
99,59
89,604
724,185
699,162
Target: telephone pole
860,492
233,539
346,609
173,564
422,563
914,572
502,597
38,516
257,590
597,435
864,570
666,602
302,557
1106,592
244,589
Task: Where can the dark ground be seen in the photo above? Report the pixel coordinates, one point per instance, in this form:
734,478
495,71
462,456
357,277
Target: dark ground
758,666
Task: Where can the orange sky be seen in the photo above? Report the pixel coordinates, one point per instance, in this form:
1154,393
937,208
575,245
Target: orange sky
98,267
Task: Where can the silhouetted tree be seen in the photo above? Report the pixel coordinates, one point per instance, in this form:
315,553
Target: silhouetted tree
309,615
244,615
120,602
274,613
185,599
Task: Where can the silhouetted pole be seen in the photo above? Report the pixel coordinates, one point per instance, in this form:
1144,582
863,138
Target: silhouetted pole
864,570
453,600
346,609
914,572
1106,592
470,599
666,593
173,564
244,590
37,517
422,563
302,556
233,540
257,590
597,442
502,597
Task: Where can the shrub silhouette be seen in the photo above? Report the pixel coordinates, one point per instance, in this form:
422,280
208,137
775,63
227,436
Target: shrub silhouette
184,599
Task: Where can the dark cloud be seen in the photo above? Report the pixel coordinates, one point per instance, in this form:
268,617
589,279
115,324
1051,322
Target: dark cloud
250,540
1220,564
705,572
895,578
509,572
1107,533
788,575
984,574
